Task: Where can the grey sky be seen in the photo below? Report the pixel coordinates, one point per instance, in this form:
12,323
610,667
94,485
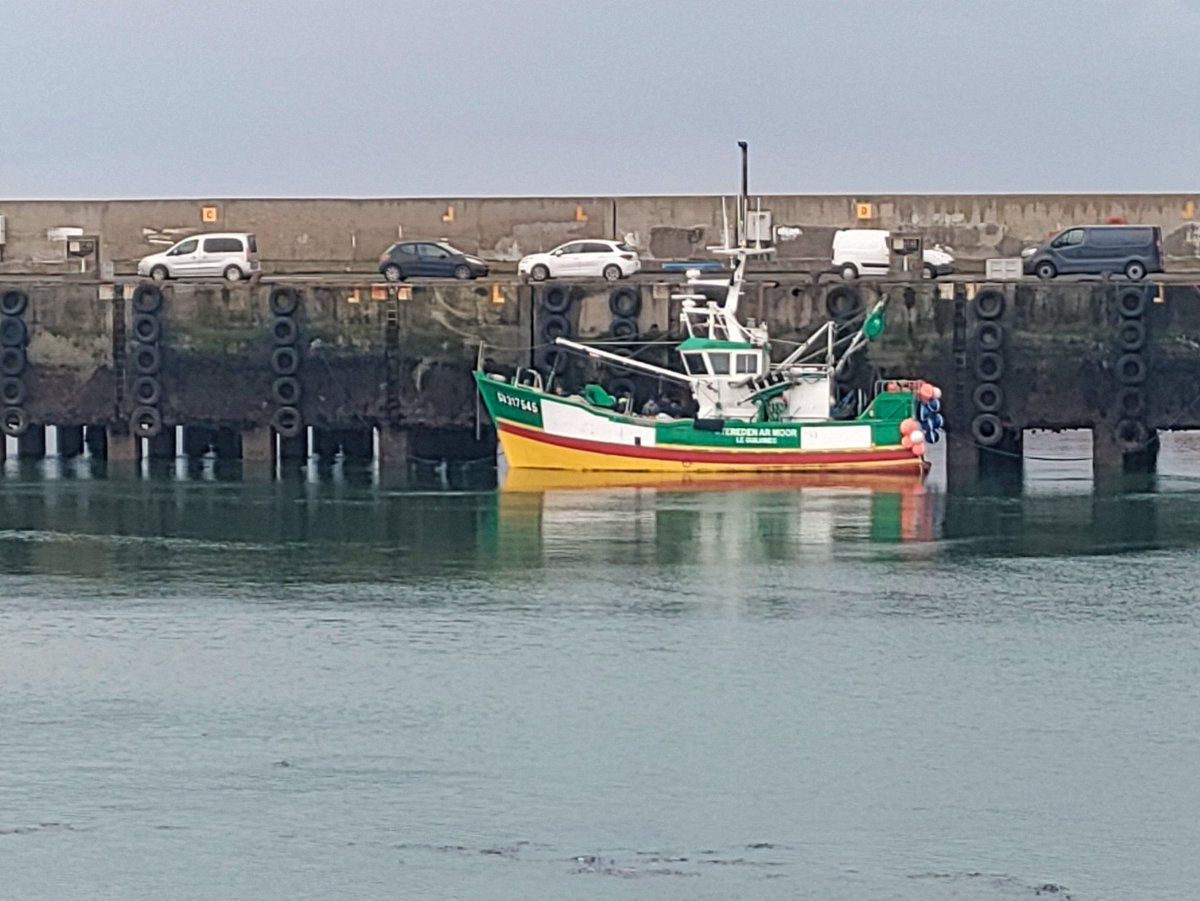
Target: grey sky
268,98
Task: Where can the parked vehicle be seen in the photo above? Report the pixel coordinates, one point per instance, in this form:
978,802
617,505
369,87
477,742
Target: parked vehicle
865,251
429,259
231,254
593,258
1096,249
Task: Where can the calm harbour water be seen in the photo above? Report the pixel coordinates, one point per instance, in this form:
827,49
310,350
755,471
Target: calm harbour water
324,687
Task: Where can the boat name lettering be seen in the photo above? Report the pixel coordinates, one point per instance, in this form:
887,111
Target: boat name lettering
519,402
745,435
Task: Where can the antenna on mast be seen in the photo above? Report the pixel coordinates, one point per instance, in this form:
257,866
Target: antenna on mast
744,199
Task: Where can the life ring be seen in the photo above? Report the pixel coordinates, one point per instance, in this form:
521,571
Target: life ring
147,359
625,301
285,361
989,335
12,392
12,303
1132,435
843,302
147,298
1131,402
556,299
283,300
13,332
147,391
284,330
987,429
287,422
287,390
554,326
1131,302
1131,369
14,422
146,422
988,397
12,360
1131,335
989,366
989,303
146,328
623,327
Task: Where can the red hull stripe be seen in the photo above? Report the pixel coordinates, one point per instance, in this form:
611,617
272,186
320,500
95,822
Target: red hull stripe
707,456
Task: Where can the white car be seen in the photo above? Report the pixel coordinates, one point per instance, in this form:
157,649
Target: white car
231,254
593,258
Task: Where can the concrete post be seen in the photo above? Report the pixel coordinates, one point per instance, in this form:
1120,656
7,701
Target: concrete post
393,447
258,445
122,446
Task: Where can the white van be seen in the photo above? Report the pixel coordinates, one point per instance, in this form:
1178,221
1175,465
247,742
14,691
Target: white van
864,251
233,255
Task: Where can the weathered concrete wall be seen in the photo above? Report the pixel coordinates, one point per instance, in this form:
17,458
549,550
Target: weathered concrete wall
1107,356
350,234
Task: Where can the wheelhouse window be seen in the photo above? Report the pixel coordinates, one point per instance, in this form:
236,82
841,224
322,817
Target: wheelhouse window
1069,239
693,364
719,363
746,364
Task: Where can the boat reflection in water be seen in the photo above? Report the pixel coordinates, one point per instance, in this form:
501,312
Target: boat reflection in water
710,516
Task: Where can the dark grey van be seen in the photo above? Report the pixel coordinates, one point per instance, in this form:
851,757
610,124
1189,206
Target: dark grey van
1095,249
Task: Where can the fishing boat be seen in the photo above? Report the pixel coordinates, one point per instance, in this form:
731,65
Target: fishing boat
747,412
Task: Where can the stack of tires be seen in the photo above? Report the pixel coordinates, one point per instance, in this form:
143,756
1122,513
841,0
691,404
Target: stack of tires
553,321
625,305
844,305
987,425
286,390
14,337
146,421
1132,432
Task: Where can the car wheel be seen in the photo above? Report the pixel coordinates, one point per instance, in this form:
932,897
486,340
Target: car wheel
612,272
392,273
1045,270
1135,271
849,272
233,274
159,273
462,272
539,273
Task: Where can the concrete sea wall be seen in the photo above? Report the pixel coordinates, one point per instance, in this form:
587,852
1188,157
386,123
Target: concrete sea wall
348,234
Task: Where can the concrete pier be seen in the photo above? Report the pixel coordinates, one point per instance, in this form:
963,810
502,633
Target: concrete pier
249,372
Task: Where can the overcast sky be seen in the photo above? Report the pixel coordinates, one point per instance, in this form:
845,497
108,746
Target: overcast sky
276,98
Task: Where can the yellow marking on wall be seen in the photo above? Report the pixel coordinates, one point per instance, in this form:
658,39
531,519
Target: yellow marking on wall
580,215
448,216
497,293
404,292
864,211
1189,210
379,292
209,214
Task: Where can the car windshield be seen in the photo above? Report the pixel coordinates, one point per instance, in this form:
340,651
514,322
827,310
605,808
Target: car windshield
446,247
625,248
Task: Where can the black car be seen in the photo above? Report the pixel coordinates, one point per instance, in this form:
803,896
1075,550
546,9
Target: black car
434,259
